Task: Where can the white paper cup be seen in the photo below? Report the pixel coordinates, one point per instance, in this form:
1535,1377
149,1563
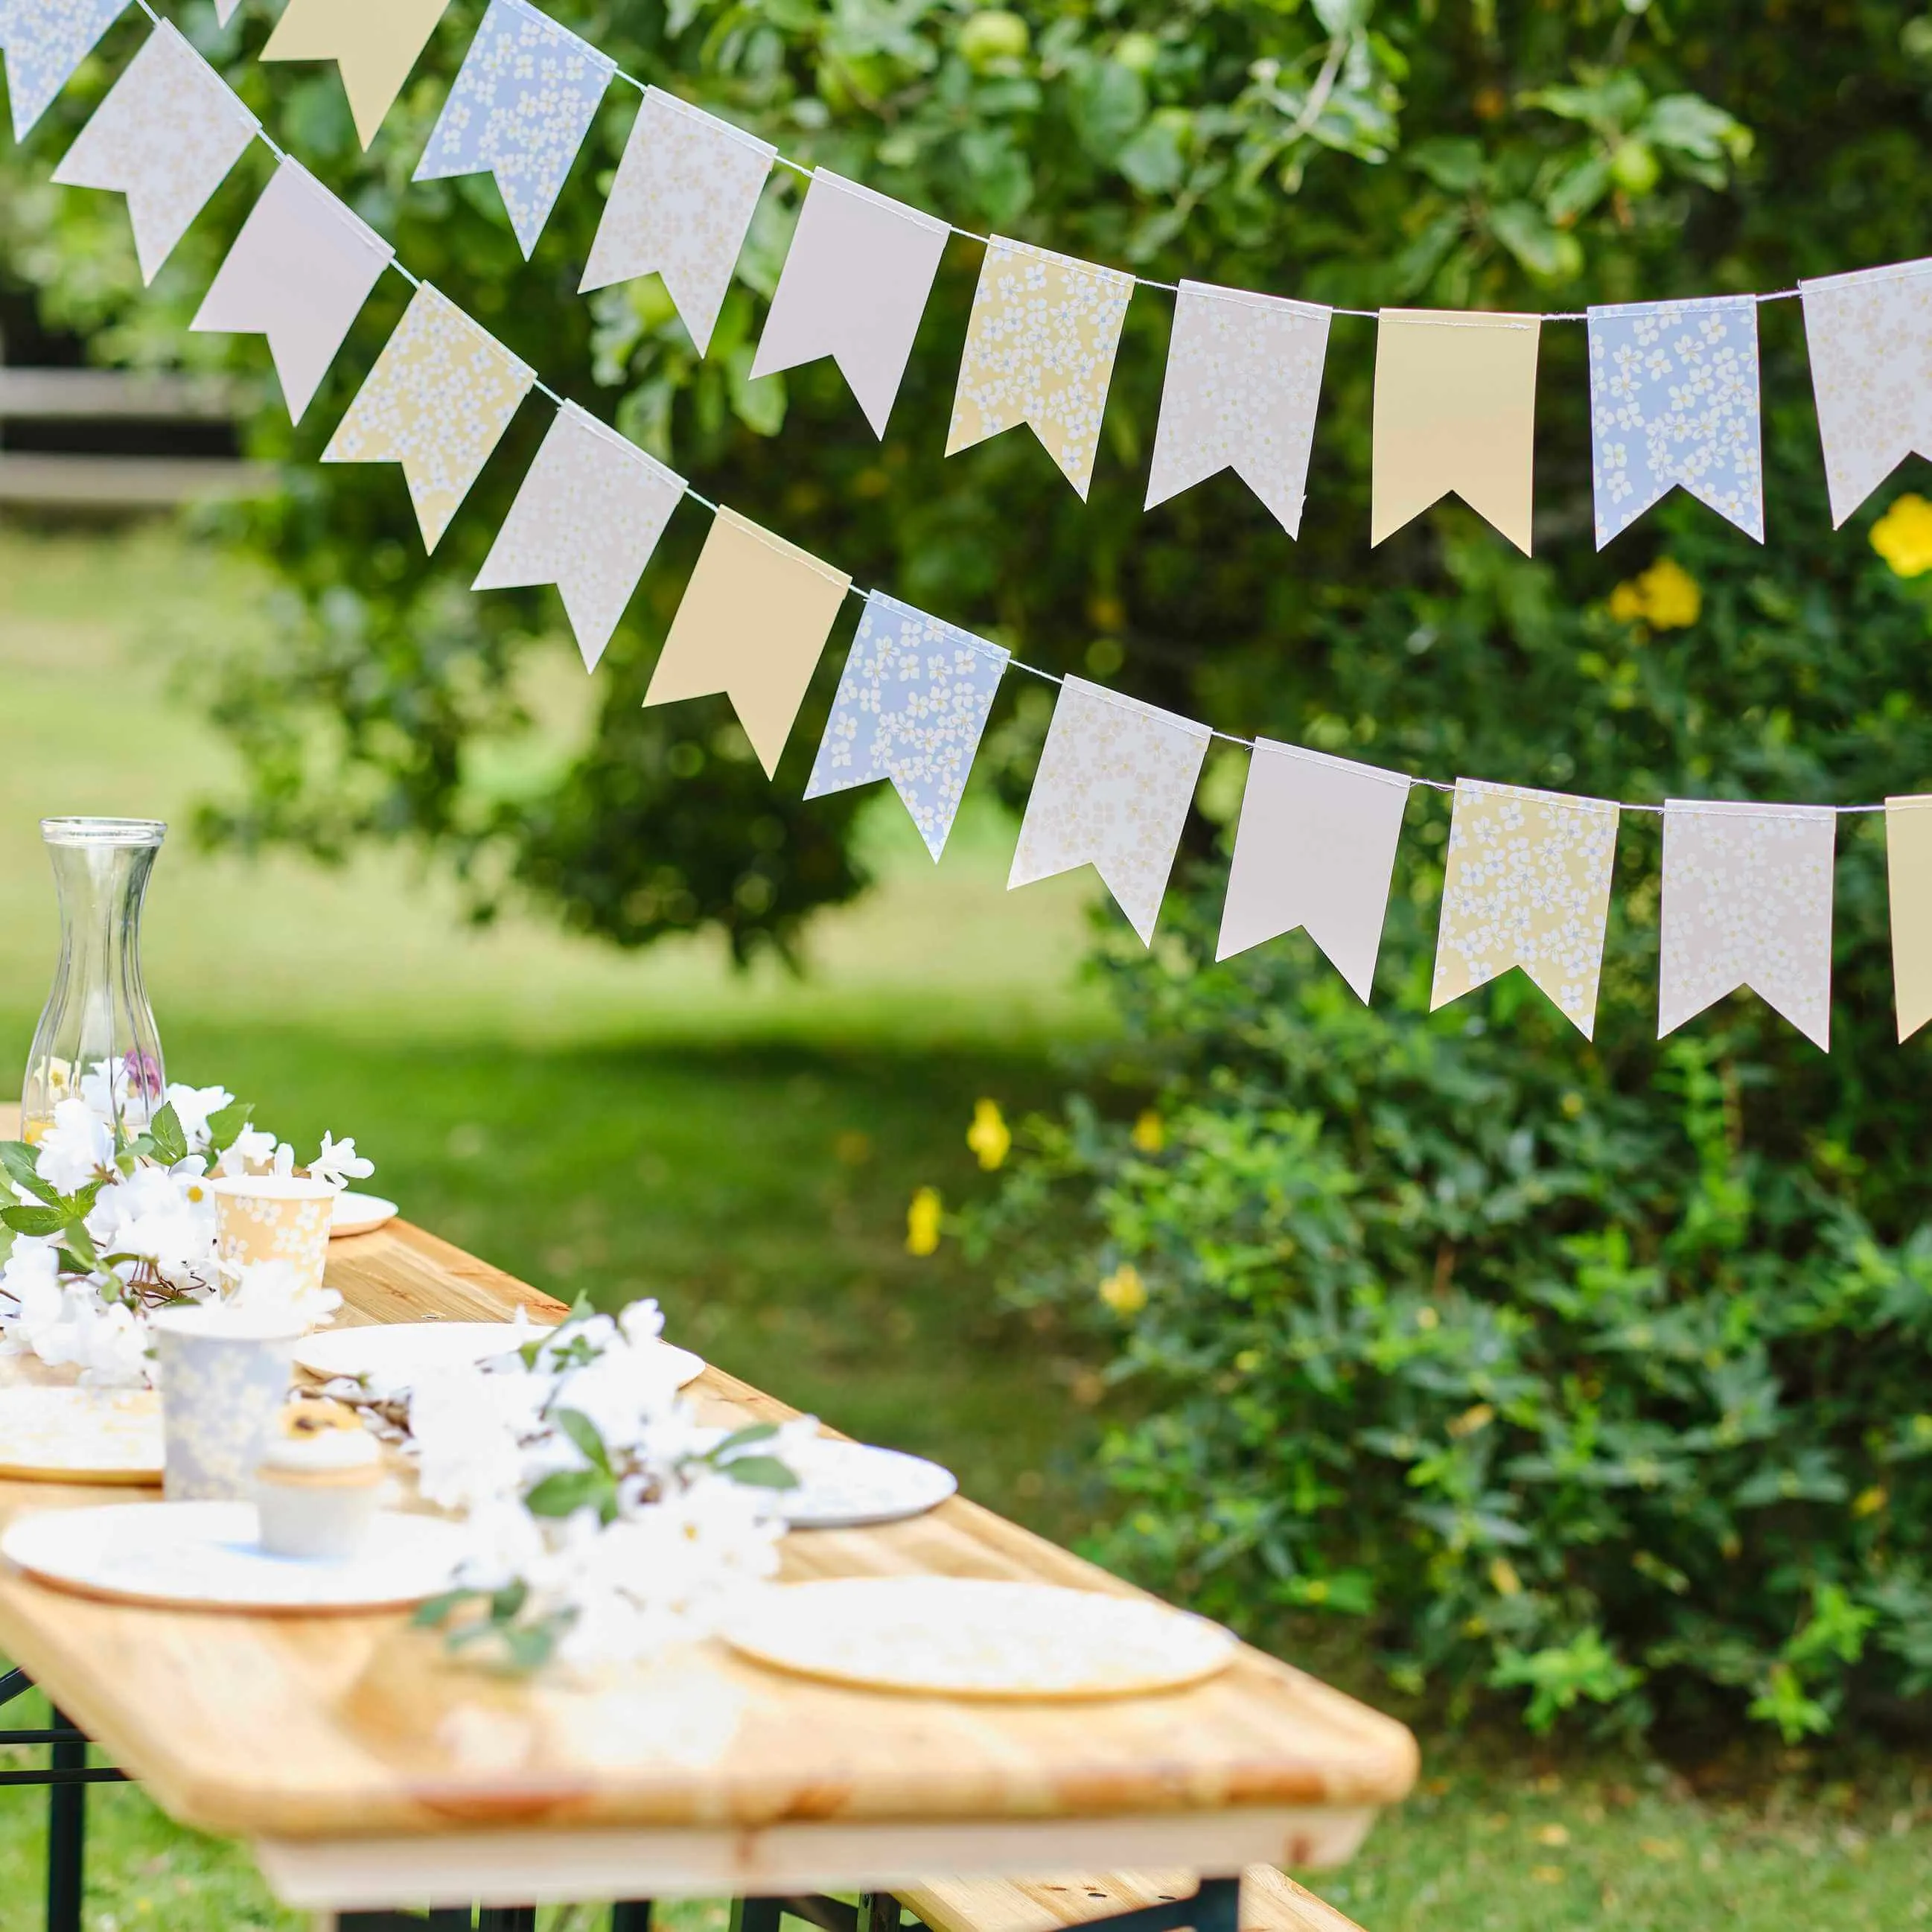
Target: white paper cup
224,1374
273,1217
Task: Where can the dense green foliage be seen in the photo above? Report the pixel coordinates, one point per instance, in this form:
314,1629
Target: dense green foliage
1592,1371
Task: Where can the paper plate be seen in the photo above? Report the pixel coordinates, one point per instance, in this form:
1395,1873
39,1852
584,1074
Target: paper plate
956,1637
80,1436
360,1214
849,1485
392,1352
204,1556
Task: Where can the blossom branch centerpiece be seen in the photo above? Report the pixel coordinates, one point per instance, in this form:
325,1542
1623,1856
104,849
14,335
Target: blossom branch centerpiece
108,1220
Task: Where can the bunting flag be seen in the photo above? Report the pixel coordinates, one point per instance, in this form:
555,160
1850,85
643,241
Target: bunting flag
438,401
587,519
1316,848
165,136
680,207
299,272
1747,902
754,618
1040,349
522,104
1528,884
853,287
1908,854
1116,778
912,706
224,10
1455,409
1674,400
1243,377
1871,339
373,43
44,40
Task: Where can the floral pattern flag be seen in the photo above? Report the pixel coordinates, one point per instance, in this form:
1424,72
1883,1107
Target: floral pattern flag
1316,849
1747,902
1674,400
1528,884
1040,349
754,620
1243,377
1116,778
587,519
165,136
912,706
438,401
299,272
1908,853
680,207
1871,339
373,43
44,40
854,286
520,108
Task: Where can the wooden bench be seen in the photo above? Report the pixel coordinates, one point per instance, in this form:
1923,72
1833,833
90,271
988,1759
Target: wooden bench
1271,1902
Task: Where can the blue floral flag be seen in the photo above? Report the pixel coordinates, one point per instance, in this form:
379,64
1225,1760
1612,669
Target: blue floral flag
44,40
1674,400
520,110
911,706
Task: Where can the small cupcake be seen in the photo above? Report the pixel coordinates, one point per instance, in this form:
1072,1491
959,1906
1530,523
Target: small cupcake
316,1486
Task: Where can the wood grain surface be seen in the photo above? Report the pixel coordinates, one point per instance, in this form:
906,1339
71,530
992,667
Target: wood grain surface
357,1729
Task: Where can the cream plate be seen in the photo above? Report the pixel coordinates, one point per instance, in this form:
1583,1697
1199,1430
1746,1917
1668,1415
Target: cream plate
205,1556
957,1636
848,1485
80,1436
392,1352
360,1214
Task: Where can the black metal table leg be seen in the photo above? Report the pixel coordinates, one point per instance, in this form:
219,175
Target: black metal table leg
67,1832
879,1911
631,1914
507,1919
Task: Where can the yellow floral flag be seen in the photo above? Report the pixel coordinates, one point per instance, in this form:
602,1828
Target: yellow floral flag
375,43
438,401
755,616
1455,409
1908,853
1040,349
1528,884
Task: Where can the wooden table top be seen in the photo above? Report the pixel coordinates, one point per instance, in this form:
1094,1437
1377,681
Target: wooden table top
356,1728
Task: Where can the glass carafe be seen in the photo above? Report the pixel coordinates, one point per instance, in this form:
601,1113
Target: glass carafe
96,1041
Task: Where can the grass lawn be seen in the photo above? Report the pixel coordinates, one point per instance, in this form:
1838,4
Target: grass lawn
745,1151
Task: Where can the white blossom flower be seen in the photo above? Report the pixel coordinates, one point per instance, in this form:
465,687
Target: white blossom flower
466,1429
278,1287
194,1106
77,1148
253,1151
339,1162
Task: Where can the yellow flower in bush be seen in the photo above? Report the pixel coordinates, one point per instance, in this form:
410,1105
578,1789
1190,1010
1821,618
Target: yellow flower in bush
989,1137
1150,1134
1903,536
922,1223
1124,1291
1665,597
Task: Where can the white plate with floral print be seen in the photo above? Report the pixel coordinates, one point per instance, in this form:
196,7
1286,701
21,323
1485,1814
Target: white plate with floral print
80,1436
360,1214
971,1637
208,1556
393,1353
852,1485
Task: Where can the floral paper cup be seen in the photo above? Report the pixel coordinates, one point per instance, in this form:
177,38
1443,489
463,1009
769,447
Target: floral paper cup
272,1217
224,1374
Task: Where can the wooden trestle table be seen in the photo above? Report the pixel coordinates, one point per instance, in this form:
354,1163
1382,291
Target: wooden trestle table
366,1773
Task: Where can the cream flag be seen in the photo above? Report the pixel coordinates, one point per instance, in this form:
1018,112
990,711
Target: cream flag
1243,377
1747,902
1455,409
754,618
1316,849
853,287
587,519
299,272
684,196
1116,777
374,43
1528,884
438,401
1908,853
1040,349
1871,339
165,136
